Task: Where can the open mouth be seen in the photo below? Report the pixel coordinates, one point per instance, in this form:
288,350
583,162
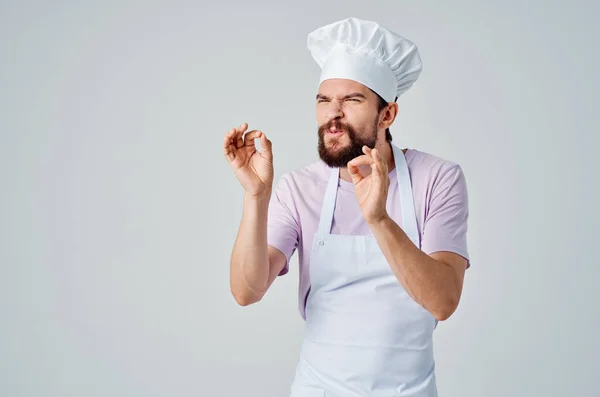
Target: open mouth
335,132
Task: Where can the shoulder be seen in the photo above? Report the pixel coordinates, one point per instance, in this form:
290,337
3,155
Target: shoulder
430,165
428,170
437,181
305,178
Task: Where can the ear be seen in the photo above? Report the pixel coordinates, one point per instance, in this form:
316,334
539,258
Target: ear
388,115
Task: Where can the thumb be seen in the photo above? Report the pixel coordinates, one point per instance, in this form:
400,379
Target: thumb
354,172
266,146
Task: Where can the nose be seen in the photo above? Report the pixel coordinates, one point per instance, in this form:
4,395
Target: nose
334,110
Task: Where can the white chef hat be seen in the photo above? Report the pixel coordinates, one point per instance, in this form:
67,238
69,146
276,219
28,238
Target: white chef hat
368,53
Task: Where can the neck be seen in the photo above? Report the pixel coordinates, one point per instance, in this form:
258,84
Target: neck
386,152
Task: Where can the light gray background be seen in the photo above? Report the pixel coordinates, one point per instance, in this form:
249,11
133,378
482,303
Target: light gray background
118,211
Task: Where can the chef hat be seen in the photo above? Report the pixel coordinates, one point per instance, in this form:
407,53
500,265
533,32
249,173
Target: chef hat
368,53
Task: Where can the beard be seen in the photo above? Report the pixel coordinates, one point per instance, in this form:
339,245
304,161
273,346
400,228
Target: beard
342,155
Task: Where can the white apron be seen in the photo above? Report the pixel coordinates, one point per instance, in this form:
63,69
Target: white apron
365,336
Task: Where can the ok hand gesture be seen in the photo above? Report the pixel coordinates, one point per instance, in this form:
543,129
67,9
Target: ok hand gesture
370,191
252,168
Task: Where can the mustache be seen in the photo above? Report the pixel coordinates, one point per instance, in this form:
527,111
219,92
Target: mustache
338,125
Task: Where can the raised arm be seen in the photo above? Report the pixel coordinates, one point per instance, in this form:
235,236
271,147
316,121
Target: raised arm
254,265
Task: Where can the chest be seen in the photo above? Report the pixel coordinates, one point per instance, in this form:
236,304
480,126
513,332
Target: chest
347,215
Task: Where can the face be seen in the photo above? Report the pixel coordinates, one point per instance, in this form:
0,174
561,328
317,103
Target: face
348,119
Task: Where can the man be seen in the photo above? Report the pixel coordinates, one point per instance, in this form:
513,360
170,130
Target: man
380,231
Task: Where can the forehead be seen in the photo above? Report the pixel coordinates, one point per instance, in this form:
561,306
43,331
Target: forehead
341,87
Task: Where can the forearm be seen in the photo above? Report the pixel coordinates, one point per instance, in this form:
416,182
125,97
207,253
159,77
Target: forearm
250,258
429,282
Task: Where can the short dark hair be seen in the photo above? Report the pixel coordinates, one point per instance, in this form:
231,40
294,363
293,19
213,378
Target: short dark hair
381,104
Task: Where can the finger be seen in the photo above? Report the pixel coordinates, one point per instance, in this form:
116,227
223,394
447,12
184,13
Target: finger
229,137
354,167
361,160
238,141
231,133
250,137
229,148
381,161
378,165
239,132
242,128
376,156
378,168
267,147
227,144
354,172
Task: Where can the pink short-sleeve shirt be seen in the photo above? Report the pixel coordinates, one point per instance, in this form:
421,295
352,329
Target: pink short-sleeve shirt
441,206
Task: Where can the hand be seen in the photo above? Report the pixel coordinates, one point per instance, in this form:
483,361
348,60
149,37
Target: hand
370,191
252,168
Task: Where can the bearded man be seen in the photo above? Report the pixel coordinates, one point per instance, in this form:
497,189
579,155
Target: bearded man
380,231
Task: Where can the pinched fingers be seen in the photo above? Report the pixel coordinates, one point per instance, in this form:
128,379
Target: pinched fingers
251,136
237,139
233,141
234,135
353,167
361,160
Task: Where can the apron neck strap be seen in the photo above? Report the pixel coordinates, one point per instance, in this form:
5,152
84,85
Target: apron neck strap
326,219
407,201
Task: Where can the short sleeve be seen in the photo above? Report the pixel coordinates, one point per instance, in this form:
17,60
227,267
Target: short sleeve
283,229
446,220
